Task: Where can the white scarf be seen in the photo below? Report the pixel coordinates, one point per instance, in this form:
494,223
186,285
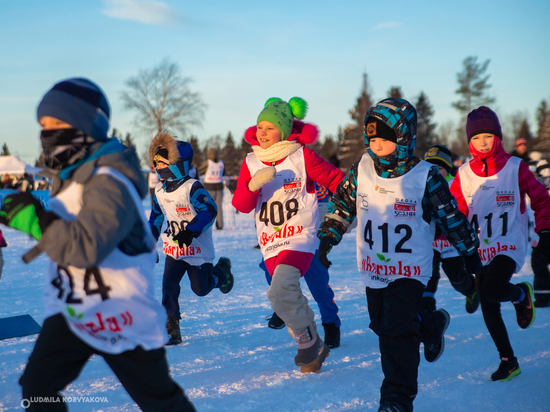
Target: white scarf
278,151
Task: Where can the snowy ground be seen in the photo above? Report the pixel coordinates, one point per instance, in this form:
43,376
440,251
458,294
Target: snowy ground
231,361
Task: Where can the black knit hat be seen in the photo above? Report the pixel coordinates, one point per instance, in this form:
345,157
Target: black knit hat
377,128
80,103
439,155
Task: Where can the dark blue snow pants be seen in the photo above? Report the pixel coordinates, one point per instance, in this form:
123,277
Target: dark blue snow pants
203,279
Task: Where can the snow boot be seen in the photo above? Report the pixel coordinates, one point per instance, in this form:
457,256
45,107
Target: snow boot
225,284
275,322
174,333
525,310
312,351
507,369
434,349
390,406
472,302
332,335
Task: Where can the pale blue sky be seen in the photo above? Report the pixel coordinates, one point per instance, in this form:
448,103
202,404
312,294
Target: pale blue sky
239,53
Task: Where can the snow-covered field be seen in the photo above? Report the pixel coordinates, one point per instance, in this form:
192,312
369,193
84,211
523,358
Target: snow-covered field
231,361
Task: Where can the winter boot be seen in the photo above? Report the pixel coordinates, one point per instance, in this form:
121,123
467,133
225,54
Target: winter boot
525,310
507,369
332,335
275,322
472,302
174,333
312,351
390,406
434,349
226,283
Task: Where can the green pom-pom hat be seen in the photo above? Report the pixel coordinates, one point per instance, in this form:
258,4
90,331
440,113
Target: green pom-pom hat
282,114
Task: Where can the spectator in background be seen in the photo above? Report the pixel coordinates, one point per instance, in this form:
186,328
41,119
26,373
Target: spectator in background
26,183
521,150
213,170
5,183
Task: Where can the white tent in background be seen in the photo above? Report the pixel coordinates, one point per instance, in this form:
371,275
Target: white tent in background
15,166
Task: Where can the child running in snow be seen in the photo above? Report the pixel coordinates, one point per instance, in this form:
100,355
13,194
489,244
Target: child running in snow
187,241
99,293
277,180
445,254
490,190
317,279
397,199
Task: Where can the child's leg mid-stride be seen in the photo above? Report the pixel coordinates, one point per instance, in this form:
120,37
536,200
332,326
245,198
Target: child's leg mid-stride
288,301
494,287
393,312
58,358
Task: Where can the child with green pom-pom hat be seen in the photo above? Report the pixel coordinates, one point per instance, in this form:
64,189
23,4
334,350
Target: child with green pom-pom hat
278,180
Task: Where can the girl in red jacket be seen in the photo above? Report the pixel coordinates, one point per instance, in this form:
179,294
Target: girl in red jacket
491,190
277,180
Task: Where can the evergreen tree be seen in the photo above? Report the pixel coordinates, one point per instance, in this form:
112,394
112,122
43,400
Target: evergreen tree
230,156
128,141
198,155
425,132
40,161
473,86
116,134
543,132
395,92
352,142
5,150
329,148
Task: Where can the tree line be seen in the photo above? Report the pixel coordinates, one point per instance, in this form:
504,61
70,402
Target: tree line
162,99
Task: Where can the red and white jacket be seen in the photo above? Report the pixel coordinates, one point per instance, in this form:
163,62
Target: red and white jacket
492,162
317,170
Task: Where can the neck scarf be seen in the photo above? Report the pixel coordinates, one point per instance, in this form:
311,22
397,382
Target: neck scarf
278,151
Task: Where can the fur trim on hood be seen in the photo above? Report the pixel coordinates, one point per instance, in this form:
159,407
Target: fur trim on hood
167,141
303,133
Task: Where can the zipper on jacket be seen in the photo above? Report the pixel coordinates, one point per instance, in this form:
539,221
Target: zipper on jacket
485,167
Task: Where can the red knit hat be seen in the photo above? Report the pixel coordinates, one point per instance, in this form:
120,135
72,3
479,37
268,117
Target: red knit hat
521,141
483,120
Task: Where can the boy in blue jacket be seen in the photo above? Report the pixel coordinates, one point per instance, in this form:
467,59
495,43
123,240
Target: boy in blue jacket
187,241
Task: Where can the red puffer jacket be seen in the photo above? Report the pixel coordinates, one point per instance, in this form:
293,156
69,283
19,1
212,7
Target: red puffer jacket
492,162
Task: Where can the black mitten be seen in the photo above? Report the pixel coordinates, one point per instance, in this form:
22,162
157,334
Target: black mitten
184,237
324,248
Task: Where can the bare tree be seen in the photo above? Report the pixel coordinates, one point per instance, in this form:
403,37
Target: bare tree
163,100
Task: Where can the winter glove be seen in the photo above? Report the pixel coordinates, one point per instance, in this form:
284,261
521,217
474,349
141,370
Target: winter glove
24,212
324,248
543,246
262,176
473,264
184,237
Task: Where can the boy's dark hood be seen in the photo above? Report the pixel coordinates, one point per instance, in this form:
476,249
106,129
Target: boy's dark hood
400,116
